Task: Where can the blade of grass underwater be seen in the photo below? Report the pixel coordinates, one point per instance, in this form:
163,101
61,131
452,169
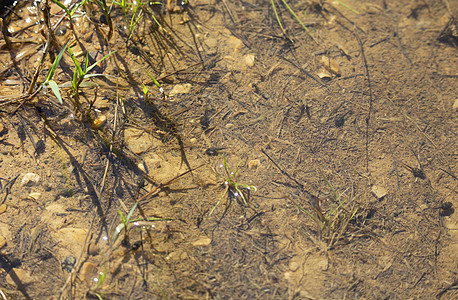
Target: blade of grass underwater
294,14
63,7
55,63
53,85
95,64
154,80
131,212
278,17
78,6
75,61
348,7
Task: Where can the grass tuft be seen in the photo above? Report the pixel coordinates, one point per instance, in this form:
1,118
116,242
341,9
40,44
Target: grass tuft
232,185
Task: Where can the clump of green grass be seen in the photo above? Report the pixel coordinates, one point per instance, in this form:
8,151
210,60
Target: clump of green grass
332,221
49,76
133,12
127,223
70,11
82,73
232,185
285,3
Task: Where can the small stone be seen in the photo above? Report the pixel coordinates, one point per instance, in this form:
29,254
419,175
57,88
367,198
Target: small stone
137,140
455,105
249,60
288,275
2,242
234,43
180,89
203,241
2,208
294,264
93,249
71,239
379,191
99,121
19,276
35,195
193,141
88,271
331,65
177,255
324,75
253,164
30,179
141,166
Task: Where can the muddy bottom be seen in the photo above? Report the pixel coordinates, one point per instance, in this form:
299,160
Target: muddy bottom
229,150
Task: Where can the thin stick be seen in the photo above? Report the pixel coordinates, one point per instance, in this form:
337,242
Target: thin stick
300,185
304,71
403,50
369,114
395,164
229,11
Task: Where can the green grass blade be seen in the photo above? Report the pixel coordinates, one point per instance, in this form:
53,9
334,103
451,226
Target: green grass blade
294,14
95,64
118,229
277,17
305,210
122,217
145,89
56,63
154,80
217,202
75,61
131,211
53,85
347,7
78,6
63,7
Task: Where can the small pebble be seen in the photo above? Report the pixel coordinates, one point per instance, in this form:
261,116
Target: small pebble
35,195
249,60
93,249
203,241
253,164
30,179
88,271
2,208
193,141
455,105
99,121
24,277
379,191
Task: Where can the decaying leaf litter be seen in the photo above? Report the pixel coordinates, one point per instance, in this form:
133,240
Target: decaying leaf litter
131,132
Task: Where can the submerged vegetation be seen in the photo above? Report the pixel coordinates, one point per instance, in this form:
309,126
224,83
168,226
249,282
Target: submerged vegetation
130,105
